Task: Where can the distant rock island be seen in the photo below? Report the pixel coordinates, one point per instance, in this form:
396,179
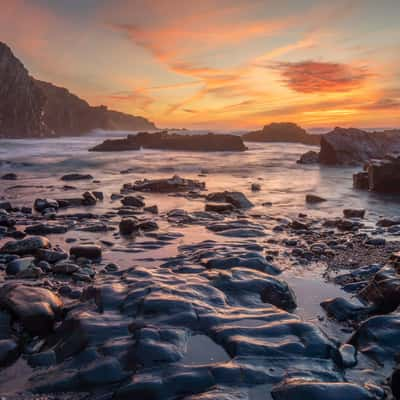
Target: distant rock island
170,141
32,108
282,132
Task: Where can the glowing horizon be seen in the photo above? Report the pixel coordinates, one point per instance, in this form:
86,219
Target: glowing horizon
218,64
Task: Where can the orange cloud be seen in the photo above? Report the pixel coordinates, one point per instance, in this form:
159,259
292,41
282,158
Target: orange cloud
314,77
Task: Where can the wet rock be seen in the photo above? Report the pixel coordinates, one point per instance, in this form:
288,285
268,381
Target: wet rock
45,229
255,187
219,207
348,225
132,201
237,199
9,177
76,177
298,225
42,204
37,308
20,264
239,228
91,252
171,185
351,213
309,390
378,241
348,355
384,174
395,383
65,268
99,195
8,351
127,226
151,209
310,157
379,337
51,256
26,246
148,226
388,222
361,181
383,290
313,199
42,359
250,260
342,310
5,205
89,199
244,282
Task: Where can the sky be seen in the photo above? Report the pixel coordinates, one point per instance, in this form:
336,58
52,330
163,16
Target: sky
218,64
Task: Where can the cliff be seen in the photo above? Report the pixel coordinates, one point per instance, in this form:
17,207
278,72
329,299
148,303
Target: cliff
33,108
282,132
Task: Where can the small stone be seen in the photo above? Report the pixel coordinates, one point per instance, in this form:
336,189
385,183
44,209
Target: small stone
352,213
76,177
255,187
151,209
348,354
20,264
92,252
127,226
313,199
10,177
132,201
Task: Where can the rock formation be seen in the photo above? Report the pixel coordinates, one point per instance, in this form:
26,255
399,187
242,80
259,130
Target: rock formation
282,132
32,108
353,146
166,141
380,175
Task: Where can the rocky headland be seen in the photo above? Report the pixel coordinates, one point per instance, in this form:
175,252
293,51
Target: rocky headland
32,108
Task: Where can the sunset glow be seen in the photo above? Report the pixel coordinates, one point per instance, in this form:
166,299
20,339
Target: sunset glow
218,64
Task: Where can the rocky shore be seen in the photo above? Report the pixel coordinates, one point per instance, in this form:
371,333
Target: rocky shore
117,297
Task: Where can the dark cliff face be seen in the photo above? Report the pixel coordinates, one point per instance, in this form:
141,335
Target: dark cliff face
21,101
33,108
282,132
